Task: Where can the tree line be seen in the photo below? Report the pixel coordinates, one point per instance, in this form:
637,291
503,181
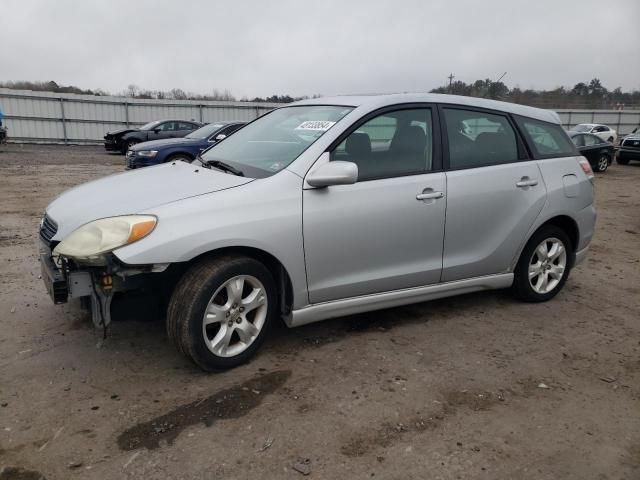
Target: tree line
134,91
591,95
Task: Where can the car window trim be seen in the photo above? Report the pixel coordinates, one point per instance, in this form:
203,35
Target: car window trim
524,154
436,159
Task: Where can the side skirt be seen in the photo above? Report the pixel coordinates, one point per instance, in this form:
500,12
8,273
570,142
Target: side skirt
349,306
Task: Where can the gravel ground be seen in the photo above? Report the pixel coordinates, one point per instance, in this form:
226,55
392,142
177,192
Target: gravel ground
477,386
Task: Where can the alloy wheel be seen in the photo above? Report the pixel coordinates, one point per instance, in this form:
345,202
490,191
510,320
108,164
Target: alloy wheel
603,163
235,316
547,265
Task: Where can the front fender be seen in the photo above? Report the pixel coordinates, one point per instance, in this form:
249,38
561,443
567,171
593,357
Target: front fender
265,214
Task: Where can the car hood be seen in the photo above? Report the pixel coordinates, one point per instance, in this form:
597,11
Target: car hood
122,131
134,192
165,142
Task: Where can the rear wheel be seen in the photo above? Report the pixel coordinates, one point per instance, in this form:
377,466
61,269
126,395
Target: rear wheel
602,164
544,265
220,311
610,140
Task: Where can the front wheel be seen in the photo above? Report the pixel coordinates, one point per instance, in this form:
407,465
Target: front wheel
544,265
603,164
220,311
127,145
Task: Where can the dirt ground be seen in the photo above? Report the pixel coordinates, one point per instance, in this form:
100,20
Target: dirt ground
477,386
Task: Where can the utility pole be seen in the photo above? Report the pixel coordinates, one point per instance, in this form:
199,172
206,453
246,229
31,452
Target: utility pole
451,77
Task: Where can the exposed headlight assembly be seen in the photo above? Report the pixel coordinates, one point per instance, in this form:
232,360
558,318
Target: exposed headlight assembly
147,153
92,240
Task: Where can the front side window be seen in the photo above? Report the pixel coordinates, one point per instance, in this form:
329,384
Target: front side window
392,144
272,142
167,127
546,139
478,139
150,125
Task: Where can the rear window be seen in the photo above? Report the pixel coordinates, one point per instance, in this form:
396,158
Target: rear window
546,139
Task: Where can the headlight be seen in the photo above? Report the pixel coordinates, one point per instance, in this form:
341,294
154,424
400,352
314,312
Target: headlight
93,239
147,153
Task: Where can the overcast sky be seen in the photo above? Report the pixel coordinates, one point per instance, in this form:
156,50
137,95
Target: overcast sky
258,47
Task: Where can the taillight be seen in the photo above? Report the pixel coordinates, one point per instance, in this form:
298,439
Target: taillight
586,168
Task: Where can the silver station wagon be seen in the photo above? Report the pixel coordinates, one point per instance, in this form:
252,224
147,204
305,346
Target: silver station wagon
325,208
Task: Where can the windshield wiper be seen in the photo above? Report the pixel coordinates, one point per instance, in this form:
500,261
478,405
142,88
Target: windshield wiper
225,167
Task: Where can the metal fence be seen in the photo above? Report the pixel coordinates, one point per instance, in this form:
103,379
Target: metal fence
623,121
68,118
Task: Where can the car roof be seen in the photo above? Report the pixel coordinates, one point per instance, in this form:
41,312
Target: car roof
372,102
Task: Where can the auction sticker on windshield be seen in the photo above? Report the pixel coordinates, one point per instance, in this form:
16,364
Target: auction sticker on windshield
318,125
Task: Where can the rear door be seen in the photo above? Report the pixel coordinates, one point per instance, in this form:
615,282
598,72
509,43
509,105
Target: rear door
494,192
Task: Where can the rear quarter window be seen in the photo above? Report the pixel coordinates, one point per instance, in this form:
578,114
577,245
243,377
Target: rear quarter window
546,140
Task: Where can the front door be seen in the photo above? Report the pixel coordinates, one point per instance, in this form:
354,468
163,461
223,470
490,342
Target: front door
384,232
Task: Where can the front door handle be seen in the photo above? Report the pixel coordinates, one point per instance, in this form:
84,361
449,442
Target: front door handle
429,195
526,182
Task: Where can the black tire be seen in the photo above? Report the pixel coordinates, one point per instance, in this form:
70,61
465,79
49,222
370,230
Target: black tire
602,168
521,286
127,144
182,157
622,160
610,140
191,297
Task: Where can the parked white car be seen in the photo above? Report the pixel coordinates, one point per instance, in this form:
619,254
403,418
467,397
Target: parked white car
606,133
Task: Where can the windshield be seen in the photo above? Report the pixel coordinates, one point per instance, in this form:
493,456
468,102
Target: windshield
582,128
150,125
272,142
206,131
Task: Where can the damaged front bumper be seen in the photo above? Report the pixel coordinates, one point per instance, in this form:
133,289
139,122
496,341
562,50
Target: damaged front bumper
65,279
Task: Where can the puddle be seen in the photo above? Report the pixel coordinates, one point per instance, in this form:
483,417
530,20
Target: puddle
231,403
17,473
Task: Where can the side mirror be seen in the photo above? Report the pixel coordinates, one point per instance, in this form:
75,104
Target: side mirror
333,173
156,130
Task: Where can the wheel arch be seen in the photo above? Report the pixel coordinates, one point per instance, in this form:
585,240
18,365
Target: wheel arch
565,222
169,156
275,266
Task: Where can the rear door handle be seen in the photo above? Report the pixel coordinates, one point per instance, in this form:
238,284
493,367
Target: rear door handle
526,182
429,195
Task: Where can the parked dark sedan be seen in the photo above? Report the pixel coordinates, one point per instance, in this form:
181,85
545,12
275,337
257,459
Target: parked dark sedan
187,148
629,148
122,140
597,151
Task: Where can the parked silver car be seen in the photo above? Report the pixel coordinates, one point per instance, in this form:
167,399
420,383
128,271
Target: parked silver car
330,207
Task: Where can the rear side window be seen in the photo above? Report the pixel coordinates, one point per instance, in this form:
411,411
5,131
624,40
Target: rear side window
546,139
478,139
